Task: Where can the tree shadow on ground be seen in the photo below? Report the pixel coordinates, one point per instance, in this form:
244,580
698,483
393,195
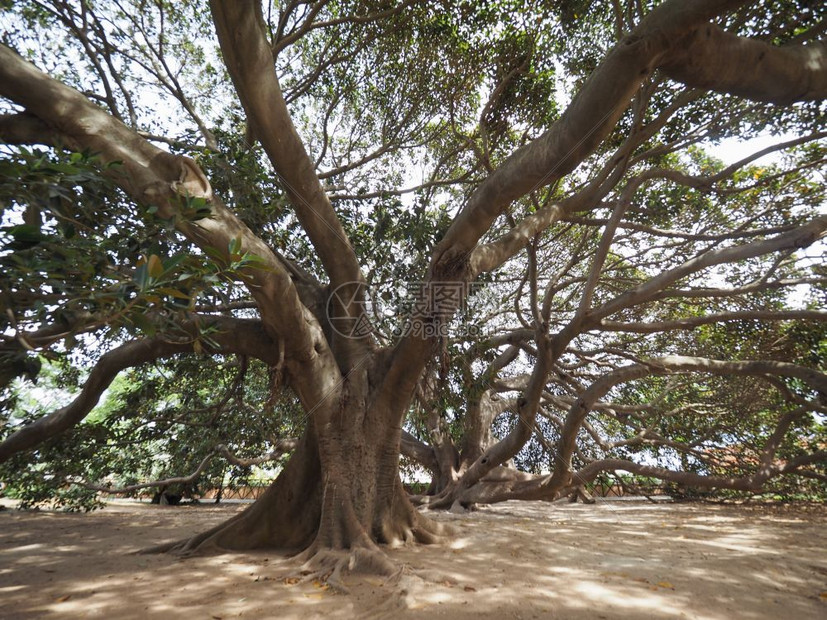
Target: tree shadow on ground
513,560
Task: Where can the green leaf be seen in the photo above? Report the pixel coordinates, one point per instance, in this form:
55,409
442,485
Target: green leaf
141,277
25,235
172,292
143,323
155,267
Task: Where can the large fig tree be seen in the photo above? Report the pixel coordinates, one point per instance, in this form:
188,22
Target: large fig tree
259,180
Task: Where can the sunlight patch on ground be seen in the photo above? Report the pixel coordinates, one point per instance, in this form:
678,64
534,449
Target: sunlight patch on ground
27,548
590,592
526,560
459,543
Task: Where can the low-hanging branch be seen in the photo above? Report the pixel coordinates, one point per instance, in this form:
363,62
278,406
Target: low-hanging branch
283,446
156,483
563,480
244,336
664,366
749,482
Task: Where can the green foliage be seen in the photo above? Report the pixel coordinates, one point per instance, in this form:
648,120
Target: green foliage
404,116
157,423
78,257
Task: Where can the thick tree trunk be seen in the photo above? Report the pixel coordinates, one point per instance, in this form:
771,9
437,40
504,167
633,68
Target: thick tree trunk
363,498
337,500
286,517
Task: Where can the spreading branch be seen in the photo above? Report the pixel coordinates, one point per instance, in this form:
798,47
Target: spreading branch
243,336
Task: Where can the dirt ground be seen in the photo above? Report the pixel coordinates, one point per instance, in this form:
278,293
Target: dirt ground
616,559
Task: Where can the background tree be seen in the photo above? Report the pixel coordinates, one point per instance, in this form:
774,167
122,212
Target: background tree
435,145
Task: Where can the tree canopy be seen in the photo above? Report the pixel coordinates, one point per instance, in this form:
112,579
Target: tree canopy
488,238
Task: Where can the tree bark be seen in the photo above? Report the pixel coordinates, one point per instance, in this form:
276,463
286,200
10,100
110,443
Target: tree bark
338,498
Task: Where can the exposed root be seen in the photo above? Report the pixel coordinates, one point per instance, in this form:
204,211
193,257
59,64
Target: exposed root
443,500
202,543
330,566
337,553
195,545
503,486
405,590
422,530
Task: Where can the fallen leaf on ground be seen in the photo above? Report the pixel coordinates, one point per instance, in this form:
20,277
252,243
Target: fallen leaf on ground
665,584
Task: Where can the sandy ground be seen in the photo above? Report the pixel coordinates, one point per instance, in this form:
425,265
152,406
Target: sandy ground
514,560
